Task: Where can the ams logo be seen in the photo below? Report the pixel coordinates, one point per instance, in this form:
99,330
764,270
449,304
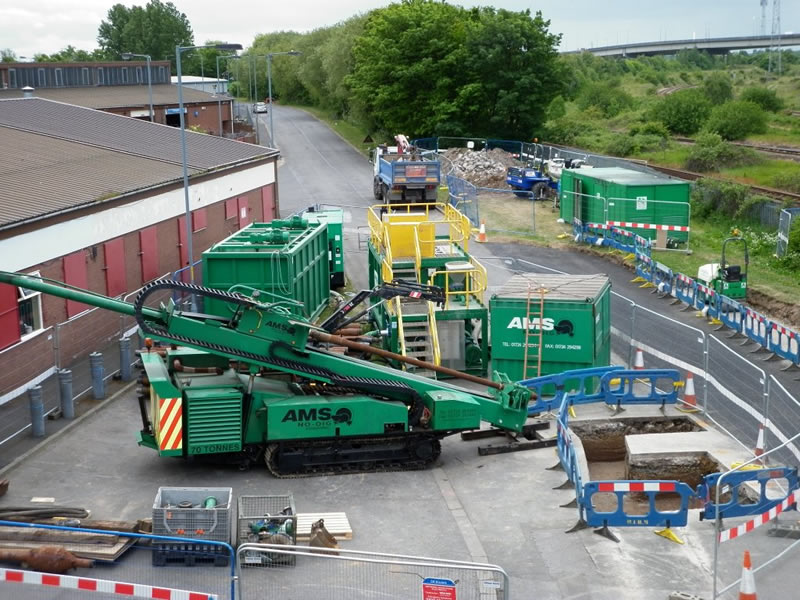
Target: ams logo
564,326
302,416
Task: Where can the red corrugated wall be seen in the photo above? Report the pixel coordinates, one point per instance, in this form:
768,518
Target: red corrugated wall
148,245
75,274
9,315
116,281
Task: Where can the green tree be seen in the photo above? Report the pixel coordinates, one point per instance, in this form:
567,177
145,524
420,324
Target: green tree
154,29
8,55
718,88
70,54
683,112
609,97
736,120
766,99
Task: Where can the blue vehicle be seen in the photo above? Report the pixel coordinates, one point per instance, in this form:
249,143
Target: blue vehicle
531,183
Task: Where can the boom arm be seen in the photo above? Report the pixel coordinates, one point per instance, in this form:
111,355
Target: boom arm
265,335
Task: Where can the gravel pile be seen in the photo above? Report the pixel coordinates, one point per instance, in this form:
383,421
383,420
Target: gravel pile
483,168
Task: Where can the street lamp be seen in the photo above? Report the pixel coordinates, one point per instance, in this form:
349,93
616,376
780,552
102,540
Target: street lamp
219,101
188,212
269,90
130,55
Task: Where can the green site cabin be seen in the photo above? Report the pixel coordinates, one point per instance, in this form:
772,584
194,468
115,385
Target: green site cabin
632,196
576,324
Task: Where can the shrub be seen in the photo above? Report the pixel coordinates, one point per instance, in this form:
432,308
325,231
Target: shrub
712,197
712,153
736,120
650,128
566,130
683,112
766,99
794,237
557,108
787,181
718,88
609,98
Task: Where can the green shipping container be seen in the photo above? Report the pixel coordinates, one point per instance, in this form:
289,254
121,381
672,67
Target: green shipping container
334,218
626,196
287,259
576,323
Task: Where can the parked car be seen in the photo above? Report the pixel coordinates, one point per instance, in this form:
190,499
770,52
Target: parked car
260,107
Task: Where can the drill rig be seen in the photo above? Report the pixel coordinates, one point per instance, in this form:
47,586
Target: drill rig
257,383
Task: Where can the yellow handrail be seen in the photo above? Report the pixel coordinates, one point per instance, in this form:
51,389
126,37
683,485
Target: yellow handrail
417,255
433,332
476,281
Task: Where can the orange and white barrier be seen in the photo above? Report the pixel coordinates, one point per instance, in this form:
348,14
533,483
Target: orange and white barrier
759,449
638,363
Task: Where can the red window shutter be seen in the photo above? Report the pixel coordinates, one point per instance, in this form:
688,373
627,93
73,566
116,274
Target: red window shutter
199,219
230,208
268,202
244,211
116,280
148,246
75,274
9,315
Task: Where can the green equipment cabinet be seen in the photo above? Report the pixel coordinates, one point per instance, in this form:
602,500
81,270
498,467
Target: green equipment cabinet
575,324
333,217
284,259
623,196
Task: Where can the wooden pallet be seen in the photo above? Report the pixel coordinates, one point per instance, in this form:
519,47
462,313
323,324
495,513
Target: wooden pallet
336,523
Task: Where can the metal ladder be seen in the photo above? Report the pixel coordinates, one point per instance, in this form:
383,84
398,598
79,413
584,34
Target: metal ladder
533,311
416,341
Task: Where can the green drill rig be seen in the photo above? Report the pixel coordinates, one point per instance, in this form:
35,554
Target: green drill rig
256,383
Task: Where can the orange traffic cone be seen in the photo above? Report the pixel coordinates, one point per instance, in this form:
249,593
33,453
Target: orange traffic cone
759,449
747,589
638,363
482,232
689,398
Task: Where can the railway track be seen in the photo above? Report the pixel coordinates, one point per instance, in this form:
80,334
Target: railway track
782,150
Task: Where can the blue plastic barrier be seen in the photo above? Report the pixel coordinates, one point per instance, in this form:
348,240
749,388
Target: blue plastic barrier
577,230
738,504
706,298
620,387
622,240
685,289
731,313
595,234
784,342
757,327
644,266
653,518
662,278
582,386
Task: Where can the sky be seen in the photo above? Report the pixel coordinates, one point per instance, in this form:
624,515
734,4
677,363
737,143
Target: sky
47,26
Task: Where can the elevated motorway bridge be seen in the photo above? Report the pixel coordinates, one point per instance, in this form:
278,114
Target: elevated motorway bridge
710,45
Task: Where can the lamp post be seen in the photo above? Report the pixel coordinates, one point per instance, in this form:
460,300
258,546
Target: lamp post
188,212
269,89
130,55
219,101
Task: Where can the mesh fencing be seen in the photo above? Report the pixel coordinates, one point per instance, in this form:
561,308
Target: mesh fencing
622,311
352,575
782,424
463,196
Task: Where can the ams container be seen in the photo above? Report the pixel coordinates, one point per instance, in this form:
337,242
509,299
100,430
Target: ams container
627,196
286,259
333,217
576,324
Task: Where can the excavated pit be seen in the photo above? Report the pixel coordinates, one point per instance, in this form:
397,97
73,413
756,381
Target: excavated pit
606,454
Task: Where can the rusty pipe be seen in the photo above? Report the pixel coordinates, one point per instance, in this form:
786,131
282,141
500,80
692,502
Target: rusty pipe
328,338
177,365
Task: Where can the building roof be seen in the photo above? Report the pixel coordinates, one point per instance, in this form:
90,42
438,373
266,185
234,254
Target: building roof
628,176
56,157
583,288
118,96
196,79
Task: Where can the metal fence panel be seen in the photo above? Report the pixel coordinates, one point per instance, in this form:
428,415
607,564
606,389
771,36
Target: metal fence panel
736,393
622,310
783,422
353,575
463,196
786,217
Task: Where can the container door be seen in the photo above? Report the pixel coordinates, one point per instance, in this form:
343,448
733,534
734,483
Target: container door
148,249
268,203
9,316
577,198
75,274
116,281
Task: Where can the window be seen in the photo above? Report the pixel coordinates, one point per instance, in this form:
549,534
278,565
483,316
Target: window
85,76
124,74
230,208
30,309
161,75
99,75
59,78
41,78
199,219
138,74
12,78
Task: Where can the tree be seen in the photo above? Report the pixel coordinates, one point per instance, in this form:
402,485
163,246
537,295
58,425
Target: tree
718,88
683,112
8,55
736,120
766,99
155,29
70,54
609,97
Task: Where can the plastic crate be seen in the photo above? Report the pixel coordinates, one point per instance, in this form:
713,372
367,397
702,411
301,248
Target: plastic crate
181,512
265,511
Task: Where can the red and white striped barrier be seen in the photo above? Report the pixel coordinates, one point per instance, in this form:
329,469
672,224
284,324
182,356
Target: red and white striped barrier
773,512
597,225
636,486
85,584
648,226
783,330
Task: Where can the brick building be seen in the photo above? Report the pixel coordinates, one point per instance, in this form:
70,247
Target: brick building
97,201
120,88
